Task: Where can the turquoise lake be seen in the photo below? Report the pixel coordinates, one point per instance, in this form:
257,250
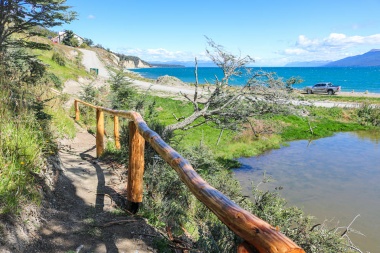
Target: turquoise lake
334,178
350,79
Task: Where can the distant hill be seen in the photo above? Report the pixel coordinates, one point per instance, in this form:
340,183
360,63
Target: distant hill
307,64
166,65
184,63
371,58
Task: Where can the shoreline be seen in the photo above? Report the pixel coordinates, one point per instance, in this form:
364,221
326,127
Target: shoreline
189,89
371,91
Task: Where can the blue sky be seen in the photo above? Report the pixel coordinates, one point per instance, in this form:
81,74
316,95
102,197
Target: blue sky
273,32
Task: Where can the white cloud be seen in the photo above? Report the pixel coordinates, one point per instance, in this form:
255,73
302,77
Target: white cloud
294,51
337,40
91,17
305,42
162,54
333,47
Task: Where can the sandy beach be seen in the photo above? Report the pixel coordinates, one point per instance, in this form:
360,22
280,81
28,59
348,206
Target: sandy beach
187,89
358,94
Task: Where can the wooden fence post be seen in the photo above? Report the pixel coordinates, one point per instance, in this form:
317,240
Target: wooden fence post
135,169
116,131
99,132
76,106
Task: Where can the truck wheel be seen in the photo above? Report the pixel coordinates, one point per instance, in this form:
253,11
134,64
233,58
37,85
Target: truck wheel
309,92
330,92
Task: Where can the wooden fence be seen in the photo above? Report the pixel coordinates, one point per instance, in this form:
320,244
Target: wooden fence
256,232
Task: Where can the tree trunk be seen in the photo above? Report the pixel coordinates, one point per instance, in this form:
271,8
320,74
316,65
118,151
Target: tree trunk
182,124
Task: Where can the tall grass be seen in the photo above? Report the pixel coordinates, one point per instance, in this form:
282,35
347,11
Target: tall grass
21,149
62,125
27,137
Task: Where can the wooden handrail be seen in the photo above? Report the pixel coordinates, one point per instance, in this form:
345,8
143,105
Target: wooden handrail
260,234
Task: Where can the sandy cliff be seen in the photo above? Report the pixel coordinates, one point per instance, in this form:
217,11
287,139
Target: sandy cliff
129,64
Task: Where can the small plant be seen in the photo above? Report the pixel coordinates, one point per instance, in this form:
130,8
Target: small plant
369,115
55,80
59,59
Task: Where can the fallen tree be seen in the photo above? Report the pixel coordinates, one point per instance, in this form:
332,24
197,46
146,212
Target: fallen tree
227,106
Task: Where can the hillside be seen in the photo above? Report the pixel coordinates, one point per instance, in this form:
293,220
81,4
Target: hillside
307,64
369,59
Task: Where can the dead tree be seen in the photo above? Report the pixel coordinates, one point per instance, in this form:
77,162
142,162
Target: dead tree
227,106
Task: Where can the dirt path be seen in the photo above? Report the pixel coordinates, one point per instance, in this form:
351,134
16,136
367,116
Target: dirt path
90,60
81,213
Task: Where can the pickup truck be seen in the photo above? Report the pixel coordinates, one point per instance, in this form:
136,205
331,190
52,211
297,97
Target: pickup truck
328,88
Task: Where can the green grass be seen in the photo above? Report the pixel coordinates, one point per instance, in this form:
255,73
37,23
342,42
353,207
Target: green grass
22,146
338,98
62,123
71,71
323,121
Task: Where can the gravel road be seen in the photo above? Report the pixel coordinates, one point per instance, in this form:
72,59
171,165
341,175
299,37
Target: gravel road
91,60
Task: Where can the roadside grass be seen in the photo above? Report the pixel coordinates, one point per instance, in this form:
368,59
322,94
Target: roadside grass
71,71
339,98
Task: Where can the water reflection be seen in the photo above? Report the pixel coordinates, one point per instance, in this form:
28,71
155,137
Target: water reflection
336,177
369,135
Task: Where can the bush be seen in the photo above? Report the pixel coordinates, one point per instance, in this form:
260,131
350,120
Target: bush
56,81
59,59
369,115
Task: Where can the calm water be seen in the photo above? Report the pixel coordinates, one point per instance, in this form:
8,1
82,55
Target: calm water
357,79
336,177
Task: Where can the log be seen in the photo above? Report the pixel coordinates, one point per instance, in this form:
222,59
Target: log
116,131
77,112
135,169
99,132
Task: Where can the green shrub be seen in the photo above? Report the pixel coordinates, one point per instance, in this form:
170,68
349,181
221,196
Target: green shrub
58,84
369,115
59,59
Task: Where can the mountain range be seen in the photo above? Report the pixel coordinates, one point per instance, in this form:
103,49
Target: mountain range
183,64
369,59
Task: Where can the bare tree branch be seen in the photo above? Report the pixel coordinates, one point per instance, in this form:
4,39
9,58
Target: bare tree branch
227,105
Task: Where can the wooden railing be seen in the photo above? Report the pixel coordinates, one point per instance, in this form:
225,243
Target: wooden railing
256,232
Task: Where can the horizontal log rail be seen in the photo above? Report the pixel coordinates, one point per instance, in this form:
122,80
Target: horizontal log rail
256,232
